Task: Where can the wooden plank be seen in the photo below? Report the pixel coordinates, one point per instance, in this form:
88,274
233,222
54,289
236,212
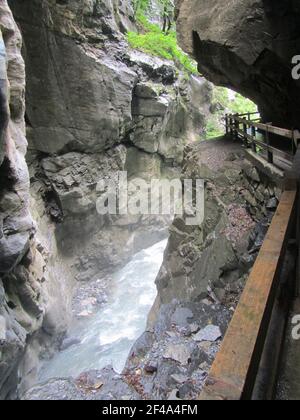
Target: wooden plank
246,114
264,127
233,373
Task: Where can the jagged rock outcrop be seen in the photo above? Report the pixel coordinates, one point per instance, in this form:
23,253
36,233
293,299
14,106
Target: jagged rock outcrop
90,386
215,257
93,106
204,271
85,86
88,96
16,224
248,46
30,292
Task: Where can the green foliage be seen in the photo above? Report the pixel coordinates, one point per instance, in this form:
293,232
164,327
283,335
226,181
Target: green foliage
236,105
160,45
152,40
213,129
242,105
140,6
226,101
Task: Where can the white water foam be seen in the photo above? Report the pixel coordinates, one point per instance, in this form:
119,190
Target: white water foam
107,337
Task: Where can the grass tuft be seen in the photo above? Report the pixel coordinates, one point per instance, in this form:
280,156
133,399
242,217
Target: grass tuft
152,40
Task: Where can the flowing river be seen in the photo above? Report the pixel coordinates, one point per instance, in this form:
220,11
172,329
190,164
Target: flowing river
107,337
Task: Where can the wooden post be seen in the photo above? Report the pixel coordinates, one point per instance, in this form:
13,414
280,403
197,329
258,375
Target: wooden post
253,133
270,154
226,123
236,123
294,144
245,134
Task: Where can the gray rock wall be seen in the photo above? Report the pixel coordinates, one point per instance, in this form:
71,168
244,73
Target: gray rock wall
213,259
85,85
247,45
88,95
19,282
85,116
31,298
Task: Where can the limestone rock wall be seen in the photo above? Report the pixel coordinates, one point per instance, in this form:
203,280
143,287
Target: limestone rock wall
212,260
247,45
92,106
16,225
83,90
31,298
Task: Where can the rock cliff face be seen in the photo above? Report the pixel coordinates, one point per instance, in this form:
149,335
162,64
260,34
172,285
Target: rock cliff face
247,45
87,91
19,282
30,291
204,271
215,257
93,106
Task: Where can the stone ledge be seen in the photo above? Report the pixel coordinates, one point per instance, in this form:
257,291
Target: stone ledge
269,170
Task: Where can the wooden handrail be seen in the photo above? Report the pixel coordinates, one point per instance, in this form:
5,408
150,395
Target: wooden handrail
233,374
285,155
233,122
247,113
264,127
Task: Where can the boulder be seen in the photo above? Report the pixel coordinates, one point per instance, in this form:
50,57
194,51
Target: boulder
12,250
178,352
209,333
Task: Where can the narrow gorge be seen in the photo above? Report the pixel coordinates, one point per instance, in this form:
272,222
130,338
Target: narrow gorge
130,306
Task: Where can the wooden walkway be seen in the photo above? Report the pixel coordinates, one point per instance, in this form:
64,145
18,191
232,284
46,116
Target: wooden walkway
235,370
260,137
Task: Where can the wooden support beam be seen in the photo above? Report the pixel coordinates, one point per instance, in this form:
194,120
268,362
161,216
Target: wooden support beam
234,371
253,132
270,153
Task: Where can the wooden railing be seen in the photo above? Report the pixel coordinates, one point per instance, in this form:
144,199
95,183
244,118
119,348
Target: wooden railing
235,369
246,127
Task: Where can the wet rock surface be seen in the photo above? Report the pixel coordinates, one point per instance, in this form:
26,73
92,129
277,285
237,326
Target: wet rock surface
22,262
166,362
182,359
214,259
207,267
123,95
95,385
248,46
93,107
